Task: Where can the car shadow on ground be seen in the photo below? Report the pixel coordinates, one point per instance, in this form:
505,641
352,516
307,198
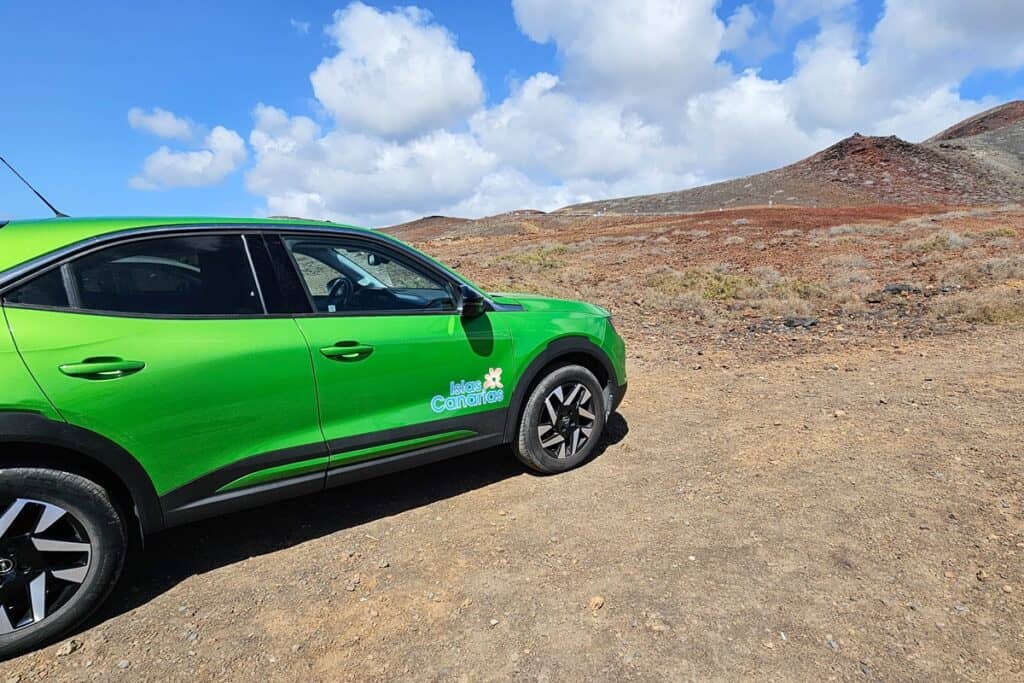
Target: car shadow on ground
175,555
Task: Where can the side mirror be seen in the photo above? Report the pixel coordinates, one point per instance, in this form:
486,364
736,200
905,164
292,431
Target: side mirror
376,259
471,302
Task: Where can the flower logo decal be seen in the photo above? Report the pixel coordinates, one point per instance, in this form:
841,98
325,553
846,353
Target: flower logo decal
492,380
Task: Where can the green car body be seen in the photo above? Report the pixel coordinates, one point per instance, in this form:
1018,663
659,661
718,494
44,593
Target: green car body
184,416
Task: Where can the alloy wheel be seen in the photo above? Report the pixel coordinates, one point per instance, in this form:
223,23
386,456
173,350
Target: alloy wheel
45,555
567,420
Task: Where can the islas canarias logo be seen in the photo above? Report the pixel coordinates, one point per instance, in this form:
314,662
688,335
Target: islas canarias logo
471,393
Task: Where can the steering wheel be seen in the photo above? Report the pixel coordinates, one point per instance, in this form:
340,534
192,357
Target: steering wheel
339,291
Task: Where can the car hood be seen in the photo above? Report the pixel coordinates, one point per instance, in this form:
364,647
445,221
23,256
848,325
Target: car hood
543,304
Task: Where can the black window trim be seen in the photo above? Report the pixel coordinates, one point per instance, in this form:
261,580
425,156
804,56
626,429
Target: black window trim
14,277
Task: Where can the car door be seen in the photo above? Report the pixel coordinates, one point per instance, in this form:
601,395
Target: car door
397,367
164,346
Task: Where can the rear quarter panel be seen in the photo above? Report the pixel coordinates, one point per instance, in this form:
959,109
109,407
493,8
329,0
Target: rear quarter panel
18,390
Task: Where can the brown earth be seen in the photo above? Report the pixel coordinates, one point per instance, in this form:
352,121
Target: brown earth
993,119
779,498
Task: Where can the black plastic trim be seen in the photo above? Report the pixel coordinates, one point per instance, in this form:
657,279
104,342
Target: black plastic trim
207,486
201,498
559,348
484,424
253,496
367,469
33,428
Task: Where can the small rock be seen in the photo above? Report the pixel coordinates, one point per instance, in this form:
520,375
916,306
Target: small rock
901,288
384,564
982,575
493,622
839,413
832,644
596,602
799,321
1007,588
123,664
67,648
656,624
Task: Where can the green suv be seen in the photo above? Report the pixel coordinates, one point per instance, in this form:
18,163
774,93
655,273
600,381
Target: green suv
158,371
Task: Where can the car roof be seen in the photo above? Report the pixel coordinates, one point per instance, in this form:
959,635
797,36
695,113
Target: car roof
21,241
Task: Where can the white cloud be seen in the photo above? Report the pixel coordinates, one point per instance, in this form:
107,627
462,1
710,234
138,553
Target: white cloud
223,152
300,26
357,177
644,102
651,53
395,74
161,123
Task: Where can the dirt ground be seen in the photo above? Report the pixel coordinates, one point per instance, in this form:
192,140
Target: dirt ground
847,515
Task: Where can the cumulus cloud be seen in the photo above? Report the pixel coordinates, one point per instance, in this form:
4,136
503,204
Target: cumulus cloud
395,74
650,53
222,153
644,102
161,123
354,176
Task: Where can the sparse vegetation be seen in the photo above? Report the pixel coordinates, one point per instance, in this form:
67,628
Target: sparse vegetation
941,241
985,306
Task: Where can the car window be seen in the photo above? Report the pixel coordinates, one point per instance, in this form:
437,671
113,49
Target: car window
200,275
46,290
348,276
188,275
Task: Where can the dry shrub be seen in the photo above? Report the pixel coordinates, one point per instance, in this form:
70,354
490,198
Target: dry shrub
709,284
692,234
791,233
946,240
846,261
998,269
733,240
999,232
543,257
988,306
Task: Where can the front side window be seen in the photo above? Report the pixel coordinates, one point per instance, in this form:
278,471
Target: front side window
200,275
349,276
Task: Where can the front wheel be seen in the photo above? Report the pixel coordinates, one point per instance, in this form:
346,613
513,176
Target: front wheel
563,420
62,546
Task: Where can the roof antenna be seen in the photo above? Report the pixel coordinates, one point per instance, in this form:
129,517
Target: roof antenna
56,213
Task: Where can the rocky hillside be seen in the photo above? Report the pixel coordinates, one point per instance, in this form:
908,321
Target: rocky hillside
979,161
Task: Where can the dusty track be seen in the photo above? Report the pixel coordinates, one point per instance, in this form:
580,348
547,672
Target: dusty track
854,515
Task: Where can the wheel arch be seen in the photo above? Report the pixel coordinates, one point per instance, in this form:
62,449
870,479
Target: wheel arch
564,351
32,440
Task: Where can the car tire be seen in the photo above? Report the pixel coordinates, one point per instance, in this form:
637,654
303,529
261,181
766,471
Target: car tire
562,421
62,548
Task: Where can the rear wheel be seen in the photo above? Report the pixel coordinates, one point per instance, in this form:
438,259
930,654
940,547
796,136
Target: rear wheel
62,547
563,420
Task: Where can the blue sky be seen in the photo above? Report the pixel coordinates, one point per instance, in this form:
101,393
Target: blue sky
71,73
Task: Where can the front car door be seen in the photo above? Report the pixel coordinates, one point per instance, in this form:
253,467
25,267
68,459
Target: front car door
398,369
164,346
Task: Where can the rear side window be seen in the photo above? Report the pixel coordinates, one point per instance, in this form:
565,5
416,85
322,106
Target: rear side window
200,275
46,290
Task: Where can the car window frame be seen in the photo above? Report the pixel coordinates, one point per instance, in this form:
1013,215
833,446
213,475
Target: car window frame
74,299
394,251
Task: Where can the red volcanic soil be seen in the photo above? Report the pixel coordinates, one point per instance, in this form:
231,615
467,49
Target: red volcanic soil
993,119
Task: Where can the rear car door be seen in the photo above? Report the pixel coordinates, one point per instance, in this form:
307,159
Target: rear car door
398,369
164,345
